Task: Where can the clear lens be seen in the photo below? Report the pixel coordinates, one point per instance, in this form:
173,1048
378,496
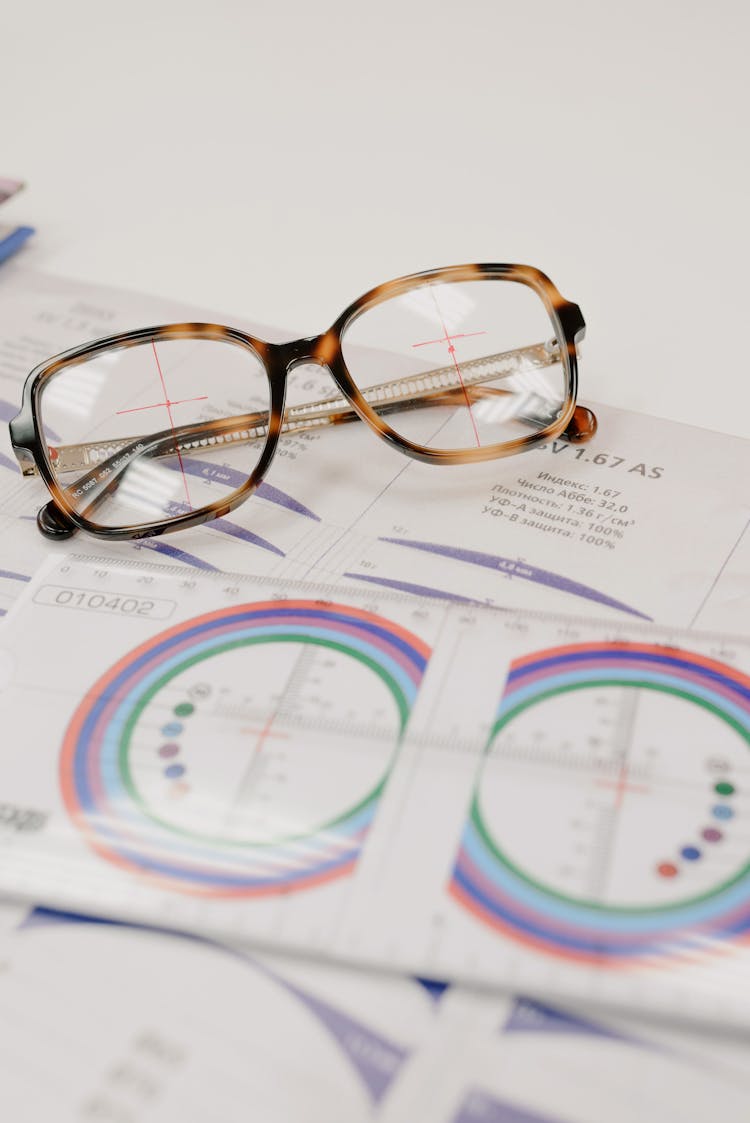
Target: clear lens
459,366
148,432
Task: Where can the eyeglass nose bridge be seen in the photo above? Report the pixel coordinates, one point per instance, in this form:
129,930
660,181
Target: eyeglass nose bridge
317,350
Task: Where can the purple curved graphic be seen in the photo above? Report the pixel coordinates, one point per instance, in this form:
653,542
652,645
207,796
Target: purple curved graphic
530,1016
376,1059
225,526
13,576
522,570
6,462
275,495
434,987
410,587
176,554
230,477
479,1107
234,530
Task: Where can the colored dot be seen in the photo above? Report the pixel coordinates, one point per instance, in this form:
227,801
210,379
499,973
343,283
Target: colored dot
691,853
172,729
712,835
724,788
666,869
721,811
174,771
185,709
168,750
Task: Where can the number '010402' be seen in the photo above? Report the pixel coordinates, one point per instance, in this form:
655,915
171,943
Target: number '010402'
130,606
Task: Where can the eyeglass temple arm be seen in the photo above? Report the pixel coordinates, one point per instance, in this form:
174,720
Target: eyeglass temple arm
107,460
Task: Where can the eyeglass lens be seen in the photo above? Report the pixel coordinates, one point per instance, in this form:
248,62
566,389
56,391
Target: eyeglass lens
151,431
458,366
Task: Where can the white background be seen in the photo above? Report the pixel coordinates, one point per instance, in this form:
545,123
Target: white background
274,160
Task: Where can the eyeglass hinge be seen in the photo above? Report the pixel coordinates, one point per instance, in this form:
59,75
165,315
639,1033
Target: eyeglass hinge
25,461
552,347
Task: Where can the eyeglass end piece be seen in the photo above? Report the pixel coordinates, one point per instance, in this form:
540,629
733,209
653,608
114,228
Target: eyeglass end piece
582,426
54,524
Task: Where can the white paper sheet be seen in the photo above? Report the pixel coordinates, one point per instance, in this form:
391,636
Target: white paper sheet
101,1021
520,1061
544,530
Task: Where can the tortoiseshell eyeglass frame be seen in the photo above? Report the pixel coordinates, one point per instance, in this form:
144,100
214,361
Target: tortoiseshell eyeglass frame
59,519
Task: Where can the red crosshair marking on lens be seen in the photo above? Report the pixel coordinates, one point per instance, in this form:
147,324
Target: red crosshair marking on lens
442,338
179,402
446,338
621,786
167,404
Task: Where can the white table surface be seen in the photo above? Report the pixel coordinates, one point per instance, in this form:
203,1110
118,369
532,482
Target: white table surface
273,161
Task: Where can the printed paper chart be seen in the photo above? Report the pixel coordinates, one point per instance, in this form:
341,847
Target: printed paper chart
631,762
218,758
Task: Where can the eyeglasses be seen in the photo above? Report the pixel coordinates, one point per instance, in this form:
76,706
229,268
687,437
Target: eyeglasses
145,432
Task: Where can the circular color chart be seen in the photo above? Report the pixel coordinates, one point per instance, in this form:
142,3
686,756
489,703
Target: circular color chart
501,895
94,767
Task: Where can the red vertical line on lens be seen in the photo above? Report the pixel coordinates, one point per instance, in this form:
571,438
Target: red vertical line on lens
452,353
168,404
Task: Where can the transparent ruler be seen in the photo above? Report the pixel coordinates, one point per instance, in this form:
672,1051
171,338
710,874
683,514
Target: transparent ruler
513,799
